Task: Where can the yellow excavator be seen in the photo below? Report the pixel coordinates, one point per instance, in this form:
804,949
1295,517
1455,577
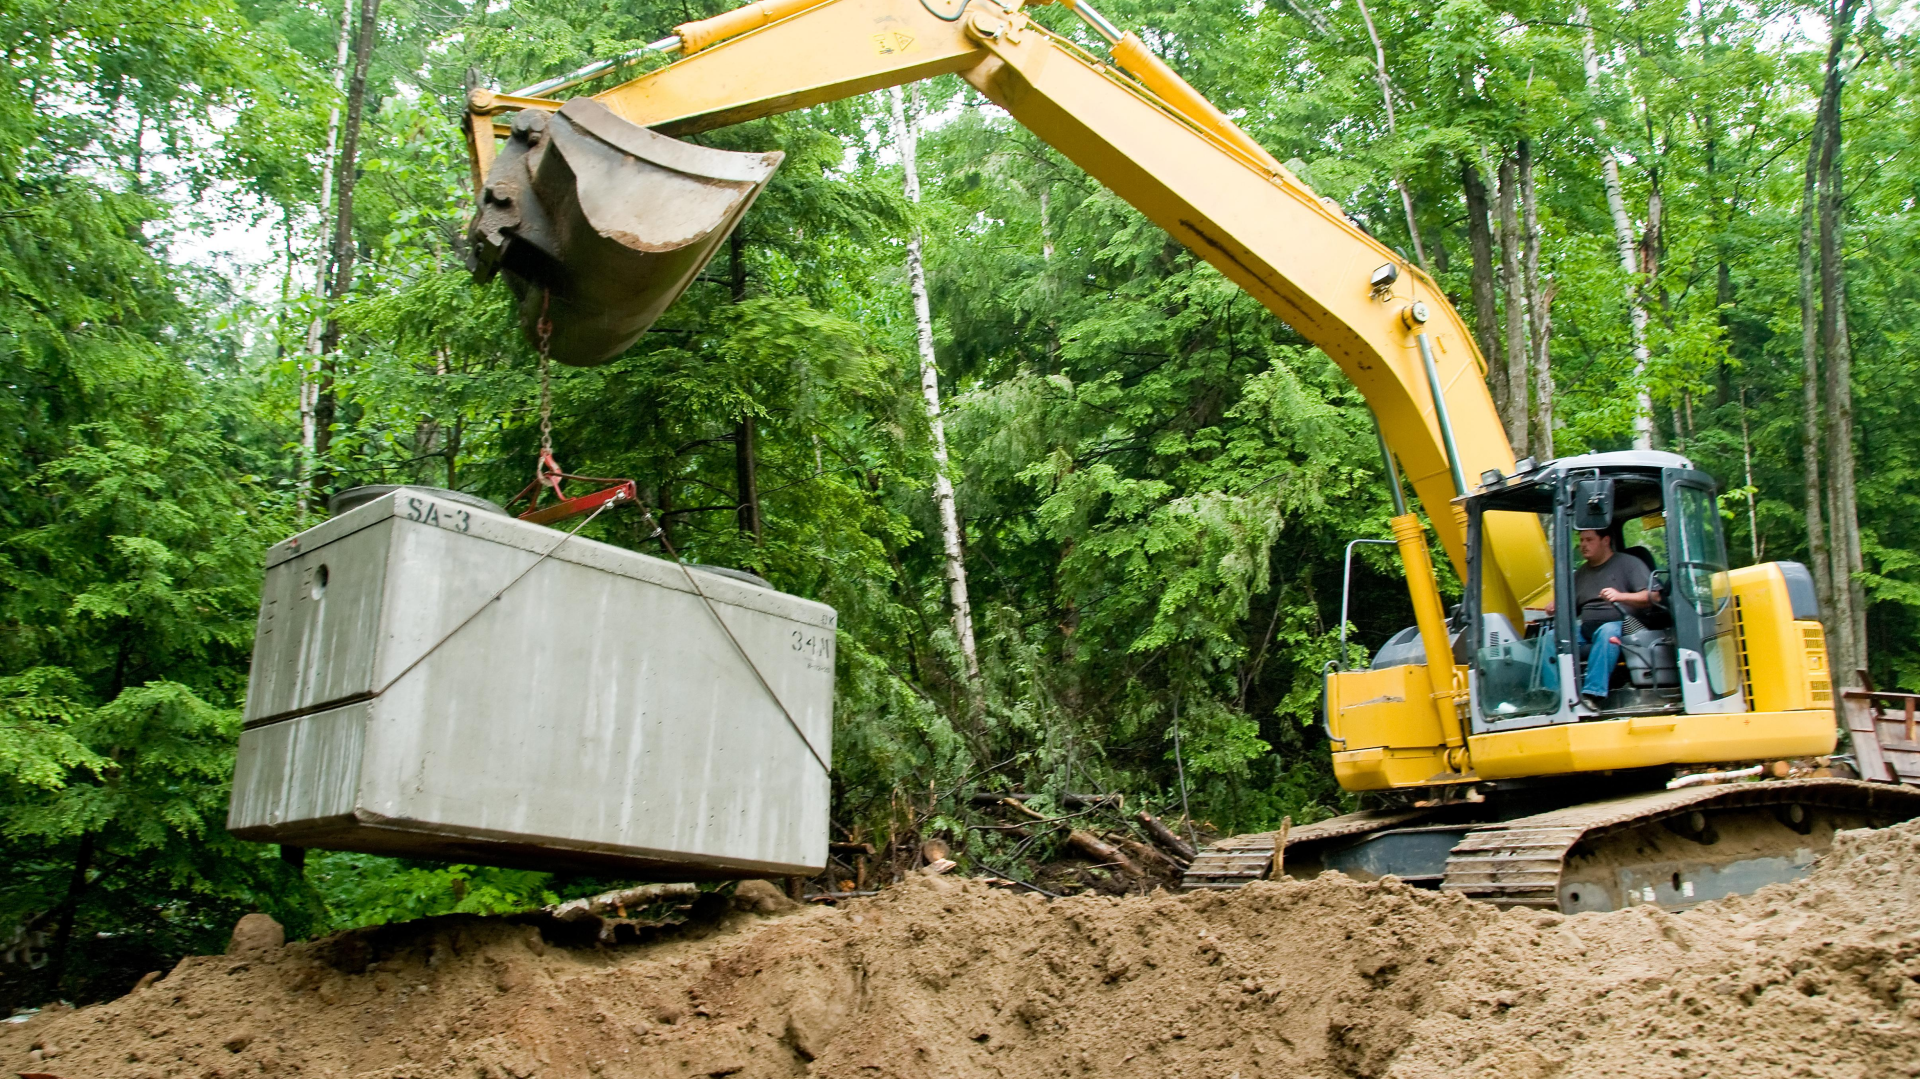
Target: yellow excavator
1703,769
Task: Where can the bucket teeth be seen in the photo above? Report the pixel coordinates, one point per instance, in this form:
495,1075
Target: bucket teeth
603,223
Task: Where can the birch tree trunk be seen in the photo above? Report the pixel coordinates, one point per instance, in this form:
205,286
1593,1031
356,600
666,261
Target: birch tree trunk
1850,614
906,134
1539,310
1723,298
1386,97
1636,310
1486,315
1046,257
1046,226
1515,414
1623,239
310,367
1746,457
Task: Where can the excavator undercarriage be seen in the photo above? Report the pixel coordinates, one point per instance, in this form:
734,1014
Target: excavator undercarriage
1667,848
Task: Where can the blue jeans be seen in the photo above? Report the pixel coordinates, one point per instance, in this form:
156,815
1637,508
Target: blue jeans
1601,658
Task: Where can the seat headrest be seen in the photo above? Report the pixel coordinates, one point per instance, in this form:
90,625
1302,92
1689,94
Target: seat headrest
1644,555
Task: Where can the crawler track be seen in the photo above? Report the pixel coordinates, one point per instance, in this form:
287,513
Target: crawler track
1672,848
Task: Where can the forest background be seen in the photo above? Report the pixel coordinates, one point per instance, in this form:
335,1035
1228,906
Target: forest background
1681,223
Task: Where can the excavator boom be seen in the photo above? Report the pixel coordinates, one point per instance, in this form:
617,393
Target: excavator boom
1135,126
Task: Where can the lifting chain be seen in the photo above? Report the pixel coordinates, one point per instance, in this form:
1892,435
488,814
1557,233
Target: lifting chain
544,329
547,472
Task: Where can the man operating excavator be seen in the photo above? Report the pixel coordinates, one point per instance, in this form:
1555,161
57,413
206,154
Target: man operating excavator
1606,589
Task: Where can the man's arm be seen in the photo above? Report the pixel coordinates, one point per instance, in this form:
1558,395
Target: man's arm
1641,598
1632,599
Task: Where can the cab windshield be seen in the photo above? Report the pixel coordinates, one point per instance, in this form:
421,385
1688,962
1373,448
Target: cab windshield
1525,650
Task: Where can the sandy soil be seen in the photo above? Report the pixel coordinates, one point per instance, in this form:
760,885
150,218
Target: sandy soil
947,978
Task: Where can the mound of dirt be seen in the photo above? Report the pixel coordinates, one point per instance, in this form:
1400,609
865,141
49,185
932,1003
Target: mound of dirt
948,978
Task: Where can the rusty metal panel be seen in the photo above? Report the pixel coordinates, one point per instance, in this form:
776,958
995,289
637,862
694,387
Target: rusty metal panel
595,716
1884,727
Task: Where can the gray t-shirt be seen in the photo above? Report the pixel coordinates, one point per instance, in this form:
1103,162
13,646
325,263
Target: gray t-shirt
1623,571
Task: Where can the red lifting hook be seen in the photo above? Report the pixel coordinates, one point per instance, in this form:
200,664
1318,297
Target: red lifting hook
548,474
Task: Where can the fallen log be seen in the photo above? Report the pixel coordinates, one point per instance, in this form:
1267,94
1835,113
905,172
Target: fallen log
1016,831
1145,853
1166,836
1070,801
595,905
1021,809
1103,852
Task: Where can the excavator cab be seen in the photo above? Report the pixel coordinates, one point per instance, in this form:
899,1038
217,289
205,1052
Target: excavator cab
1675,654
1720,664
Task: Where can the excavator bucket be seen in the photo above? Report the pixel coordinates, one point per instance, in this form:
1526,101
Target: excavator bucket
601,224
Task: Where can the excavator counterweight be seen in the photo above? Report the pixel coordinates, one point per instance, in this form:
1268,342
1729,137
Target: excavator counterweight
599,225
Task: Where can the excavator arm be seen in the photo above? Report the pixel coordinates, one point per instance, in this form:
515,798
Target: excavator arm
1136,127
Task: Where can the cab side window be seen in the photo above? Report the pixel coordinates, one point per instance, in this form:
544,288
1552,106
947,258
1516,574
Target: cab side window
1648,536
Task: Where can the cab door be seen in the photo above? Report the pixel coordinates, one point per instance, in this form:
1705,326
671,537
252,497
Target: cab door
1700,594
1522,659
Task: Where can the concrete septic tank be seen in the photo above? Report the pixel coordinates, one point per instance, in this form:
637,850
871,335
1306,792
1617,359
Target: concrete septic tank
593,717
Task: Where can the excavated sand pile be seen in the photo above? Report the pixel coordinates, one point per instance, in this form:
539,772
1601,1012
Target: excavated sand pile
949,979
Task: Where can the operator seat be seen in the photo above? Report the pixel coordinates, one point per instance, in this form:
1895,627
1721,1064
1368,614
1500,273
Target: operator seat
1655,615
1646,641
1646,648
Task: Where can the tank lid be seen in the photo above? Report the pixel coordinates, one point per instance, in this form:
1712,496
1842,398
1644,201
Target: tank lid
355,497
